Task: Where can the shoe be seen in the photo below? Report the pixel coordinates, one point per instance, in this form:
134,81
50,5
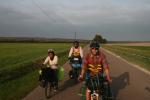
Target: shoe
55,89
71,74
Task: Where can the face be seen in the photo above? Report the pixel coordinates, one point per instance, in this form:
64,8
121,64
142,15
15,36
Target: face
94,51
51,55
76,45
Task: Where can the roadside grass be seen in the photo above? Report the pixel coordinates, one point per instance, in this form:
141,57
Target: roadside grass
139,55
14,53
18,66
18,88
16,56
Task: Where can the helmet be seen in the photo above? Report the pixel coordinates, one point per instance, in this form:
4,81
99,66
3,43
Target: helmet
50,50
76,42
94,44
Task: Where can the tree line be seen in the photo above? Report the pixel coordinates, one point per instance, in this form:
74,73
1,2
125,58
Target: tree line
99,39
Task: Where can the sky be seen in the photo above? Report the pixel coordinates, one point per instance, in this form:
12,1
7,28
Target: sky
115,20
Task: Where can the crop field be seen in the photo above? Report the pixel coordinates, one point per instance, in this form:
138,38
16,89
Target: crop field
19,66
139,55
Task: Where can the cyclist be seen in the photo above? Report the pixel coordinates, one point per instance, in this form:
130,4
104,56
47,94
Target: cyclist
75,51
51,63
94,62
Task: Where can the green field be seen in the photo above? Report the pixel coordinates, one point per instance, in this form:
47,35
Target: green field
18,66
139,55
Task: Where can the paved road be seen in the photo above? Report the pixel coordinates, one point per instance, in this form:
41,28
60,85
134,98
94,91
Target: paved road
128,83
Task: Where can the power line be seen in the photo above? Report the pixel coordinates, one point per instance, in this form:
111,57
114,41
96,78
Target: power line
34,2
42,10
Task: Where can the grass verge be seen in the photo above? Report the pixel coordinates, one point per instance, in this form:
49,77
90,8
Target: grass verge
139,55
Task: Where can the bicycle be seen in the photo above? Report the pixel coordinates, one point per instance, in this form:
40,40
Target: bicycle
75,63
100,88
47,82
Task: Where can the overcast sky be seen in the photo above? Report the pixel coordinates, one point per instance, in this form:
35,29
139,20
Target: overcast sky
113,19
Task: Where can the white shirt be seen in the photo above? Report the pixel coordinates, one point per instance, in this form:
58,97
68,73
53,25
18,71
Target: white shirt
51,63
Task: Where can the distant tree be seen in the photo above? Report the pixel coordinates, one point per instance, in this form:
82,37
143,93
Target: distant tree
104,41
99,39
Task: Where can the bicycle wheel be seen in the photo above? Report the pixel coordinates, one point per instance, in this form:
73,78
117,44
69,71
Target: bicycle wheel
48,90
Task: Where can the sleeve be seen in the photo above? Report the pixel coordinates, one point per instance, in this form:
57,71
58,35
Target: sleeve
81,52
46,61
104,61
70,52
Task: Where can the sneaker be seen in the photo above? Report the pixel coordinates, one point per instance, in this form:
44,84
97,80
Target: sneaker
71,74
55,88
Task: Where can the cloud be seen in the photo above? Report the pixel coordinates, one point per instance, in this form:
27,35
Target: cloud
114,19
103,14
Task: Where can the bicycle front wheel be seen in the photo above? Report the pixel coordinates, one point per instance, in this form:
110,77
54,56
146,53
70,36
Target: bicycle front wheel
48,90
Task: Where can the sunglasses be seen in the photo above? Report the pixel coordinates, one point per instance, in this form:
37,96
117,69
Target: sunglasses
95,48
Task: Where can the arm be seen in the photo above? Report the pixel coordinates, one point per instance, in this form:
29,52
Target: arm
108,75
106,68
83,71
46,61
70,52
84,68
81,52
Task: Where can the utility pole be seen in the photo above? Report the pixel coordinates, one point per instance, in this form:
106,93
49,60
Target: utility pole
75,35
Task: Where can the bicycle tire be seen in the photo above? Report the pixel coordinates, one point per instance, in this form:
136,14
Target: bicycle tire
48,90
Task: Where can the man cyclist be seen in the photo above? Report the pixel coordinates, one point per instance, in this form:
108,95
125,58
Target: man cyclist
94,63
51,63
75,52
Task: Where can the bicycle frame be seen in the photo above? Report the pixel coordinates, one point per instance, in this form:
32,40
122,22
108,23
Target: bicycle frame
100,88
